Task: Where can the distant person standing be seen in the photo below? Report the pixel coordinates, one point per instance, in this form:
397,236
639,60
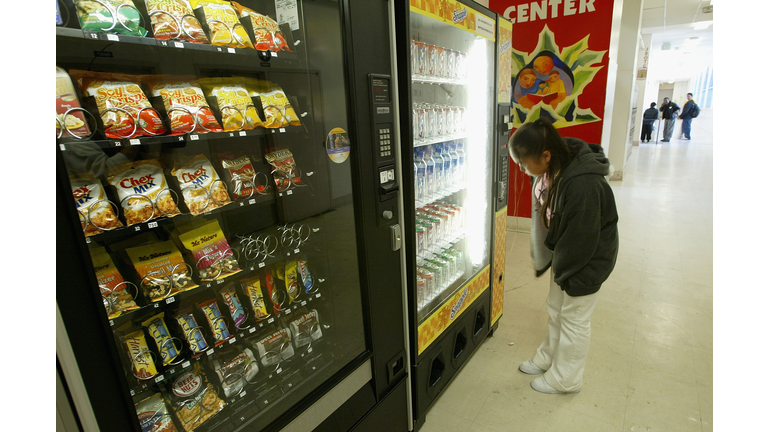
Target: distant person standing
649,117
687,116
669,111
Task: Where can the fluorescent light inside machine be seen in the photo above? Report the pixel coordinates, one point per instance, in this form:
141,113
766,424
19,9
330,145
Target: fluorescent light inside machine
477,147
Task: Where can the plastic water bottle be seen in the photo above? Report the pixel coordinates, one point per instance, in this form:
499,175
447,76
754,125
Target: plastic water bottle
454,165
421,176
439,169
462,175
448,180
430,173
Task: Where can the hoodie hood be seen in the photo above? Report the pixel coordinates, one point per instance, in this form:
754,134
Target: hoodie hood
589,160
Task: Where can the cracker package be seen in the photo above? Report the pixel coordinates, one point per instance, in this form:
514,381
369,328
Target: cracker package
200,185
161,268
70,116
223,24
97,214
240,175
193,397
273,348
268,36
184,102
115,292
211,252
234,101
174,20
143,191
110,16
235,366
154,415
286,173
306,328
278,111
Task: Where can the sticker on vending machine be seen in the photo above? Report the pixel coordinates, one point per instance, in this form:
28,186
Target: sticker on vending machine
337,145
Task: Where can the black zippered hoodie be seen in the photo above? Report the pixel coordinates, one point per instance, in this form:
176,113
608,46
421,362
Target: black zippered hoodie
583,232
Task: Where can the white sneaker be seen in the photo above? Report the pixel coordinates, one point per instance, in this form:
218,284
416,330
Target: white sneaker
530,368
540,385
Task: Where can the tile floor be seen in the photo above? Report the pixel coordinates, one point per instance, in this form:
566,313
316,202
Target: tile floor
651,358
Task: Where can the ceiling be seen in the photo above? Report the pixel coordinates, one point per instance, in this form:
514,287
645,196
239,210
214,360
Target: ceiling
672,21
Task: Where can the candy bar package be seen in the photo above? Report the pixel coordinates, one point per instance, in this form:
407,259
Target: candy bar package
70,119
143,191
193,333
290,277
278,296
194,399
235,366
215,320
161,268
110,16
268,36
166,346
306,278
141,359
200,185
252,288
115,292
174,20
306,328
185,103
124,108
228,295
96,212
223,24
273,348
234,101
210,250
154,415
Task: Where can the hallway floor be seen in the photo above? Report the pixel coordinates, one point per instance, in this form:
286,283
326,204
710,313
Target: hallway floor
651,357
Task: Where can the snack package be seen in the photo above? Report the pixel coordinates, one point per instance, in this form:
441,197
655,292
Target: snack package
223,24
240,175
268,36
201,186
306,278
193,397
252,288
292,281
286,172
234,101
139,355
114,290
185,103
96,212
274,348
215,320
277,296
235,366
154,415
192,332
210,251
278,111
143,191
174,20
162,269
110,16
70,118
229,297
159,332
124,108
306,328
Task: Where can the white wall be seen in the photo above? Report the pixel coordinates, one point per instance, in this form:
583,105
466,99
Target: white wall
643,101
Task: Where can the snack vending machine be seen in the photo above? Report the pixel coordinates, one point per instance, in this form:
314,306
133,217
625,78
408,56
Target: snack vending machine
227,217
449,96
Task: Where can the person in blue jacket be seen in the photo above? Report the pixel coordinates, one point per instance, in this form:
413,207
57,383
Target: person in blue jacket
687,116
574,232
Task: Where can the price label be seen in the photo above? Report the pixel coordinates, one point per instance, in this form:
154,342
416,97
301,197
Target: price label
170,300
287,311
318,295
251,201
194,137
243,133
282,130
289,192
296,250
219,281
271,320
113,38
160,378
261,265
209,352
242,395
303,303
152,225
137,228
279,370
274,54
309,350
111,323
252,329
62,147
185,364
231,341
135,141
178,45
231,50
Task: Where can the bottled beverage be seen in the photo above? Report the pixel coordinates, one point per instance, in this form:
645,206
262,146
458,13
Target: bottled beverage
447,176
439,169
430,185
462,162
454,165
420,185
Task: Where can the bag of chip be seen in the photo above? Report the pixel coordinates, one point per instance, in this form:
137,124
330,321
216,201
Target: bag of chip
211,252
174,20
193,398
184,102
143,191
223,24
124,108
268,36
201,187
114,289
70,116
97,213
110,16
161,268
278,111
154,415
285,173
235,103
240,174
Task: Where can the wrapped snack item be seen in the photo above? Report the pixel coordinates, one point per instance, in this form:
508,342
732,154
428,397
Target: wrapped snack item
306,278
292,281
143,191
274,348
241,176
154,415
211,252
184,102
266,30
252,288
285,173
193,397
192,332
70,116
218,326
276,295
235,366
224,24
201,187
278,111
174,20
97,213
228,295
162,270
124,108
235,103
141,358
110,16
306,328
159,331
114,289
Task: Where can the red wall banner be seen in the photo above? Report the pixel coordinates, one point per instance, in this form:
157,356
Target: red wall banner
559,71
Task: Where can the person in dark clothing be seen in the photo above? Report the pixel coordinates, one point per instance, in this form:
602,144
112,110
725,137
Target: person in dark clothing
649,117
574,231
687,116
669,111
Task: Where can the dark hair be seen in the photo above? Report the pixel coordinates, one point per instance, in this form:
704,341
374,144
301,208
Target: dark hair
653,104
691,94
531,140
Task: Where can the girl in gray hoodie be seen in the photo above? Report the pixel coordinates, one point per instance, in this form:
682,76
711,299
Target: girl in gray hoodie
574,231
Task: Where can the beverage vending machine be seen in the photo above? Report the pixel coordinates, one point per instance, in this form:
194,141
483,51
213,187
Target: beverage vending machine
453,84
228,227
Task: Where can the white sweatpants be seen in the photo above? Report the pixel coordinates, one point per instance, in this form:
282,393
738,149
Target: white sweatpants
563,353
